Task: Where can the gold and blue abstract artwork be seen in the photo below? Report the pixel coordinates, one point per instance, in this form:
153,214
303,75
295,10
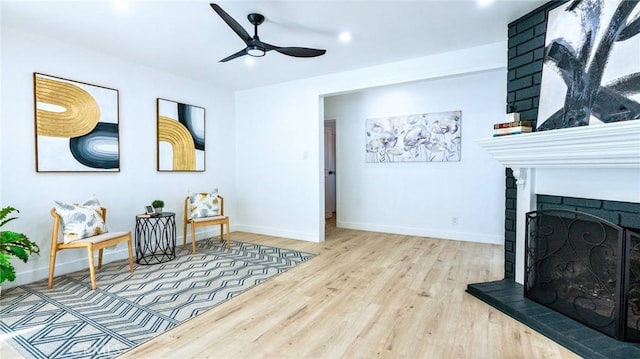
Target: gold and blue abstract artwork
76,126
181,137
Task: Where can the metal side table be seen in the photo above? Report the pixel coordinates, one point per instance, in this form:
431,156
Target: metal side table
155,238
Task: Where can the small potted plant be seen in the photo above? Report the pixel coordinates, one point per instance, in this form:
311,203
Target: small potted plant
158,205
13,244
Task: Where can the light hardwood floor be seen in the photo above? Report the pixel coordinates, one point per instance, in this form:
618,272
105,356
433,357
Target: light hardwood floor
364,295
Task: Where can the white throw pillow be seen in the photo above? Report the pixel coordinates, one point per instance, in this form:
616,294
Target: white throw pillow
81,220
204,205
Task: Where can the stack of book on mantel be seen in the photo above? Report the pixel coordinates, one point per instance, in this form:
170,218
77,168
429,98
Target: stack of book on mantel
512,128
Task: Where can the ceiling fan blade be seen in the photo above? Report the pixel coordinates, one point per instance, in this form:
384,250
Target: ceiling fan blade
236,55
299,51
233,24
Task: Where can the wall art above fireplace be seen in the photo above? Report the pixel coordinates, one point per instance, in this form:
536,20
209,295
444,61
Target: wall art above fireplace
591,71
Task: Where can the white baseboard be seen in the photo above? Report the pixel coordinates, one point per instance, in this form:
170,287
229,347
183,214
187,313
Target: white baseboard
424,232
278,232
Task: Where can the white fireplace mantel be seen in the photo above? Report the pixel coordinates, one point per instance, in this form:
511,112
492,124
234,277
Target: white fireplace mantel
613,145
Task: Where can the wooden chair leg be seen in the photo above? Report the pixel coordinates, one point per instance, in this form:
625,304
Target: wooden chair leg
228,236
52,264
92,270
193,237
221,232
100,258
184,234
130,254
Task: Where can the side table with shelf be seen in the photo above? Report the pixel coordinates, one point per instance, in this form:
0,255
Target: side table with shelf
155,238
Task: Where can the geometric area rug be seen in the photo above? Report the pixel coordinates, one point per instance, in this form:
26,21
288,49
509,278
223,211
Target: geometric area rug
127,309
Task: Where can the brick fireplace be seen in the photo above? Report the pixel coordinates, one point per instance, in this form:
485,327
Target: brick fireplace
595,168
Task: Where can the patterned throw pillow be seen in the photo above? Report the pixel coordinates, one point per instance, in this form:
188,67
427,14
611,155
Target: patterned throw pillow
80,220
204,205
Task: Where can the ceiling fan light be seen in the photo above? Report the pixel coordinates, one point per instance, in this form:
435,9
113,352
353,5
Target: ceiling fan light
255,51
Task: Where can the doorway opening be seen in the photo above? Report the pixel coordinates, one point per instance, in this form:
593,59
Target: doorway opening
330,211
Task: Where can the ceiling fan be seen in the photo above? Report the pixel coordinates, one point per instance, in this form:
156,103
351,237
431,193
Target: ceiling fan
255,47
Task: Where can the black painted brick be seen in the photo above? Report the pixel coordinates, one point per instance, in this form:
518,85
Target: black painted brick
555,206
520,60
582,202
510,203
630,220
510,236
510,214
511,182
541,198
509,246
529,92
530,115
540,29
529,69
538,54
509,225
535,43
530,21
511,53
520,38
509,272
524,105
612,217
512,31
535,102
511,97
511,257
622,206
520,83
511,193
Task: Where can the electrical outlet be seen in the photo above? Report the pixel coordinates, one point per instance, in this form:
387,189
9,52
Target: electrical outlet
454,221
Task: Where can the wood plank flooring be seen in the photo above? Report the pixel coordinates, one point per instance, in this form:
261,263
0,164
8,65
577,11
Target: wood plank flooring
364,295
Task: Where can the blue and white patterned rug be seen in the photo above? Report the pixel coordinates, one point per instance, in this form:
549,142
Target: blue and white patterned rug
72,321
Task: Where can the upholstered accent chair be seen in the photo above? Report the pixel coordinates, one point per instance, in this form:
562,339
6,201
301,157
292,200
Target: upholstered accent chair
205,209
92,236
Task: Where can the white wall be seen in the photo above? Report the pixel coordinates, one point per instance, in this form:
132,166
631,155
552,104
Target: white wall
138,183
422,198
613,184
279,130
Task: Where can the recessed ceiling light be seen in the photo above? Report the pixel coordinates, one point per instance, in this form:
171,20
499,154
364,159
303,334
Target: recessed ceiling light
121,5
249,61
485,2
345,36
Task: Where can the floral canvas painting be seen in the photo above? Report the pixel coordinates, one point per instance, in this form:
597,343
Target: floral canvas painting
424,137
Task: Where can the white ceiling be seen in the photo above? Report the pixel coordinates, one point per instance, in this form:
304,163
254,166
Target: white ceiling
188,38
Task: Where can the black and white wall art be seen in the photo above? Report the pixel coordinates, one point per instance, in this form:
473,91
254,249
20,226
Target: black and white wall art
591,71
423,137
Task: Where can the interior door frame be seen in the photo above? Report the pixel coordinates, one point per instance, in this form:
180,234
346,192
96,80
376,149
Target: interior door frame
335,164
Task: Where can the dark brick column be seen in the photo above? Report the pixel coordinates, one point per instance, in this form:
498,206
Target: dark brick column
525,57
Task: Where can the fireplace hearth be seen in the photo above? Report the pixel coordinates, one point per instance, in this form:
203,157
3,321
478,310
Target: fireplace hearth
586,268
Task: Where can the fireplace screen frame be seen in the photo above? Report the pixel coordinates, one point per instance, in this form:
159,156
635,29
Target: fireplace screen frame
553,236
